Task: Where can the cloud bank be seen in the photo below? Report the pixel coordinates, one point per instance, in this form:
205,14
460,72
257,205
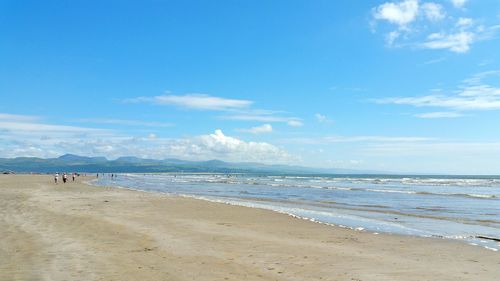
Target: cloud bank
23,136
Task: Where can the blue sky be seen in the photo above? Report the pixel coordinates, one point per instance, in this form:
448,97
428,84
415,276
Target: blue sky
403,86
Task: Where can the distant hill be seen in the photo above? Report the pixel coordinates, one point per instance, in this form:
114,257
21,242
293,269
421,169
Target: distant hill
130,164
71,158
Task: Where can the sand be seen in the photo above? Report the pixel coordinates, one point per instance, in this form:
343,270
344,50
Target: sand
75,231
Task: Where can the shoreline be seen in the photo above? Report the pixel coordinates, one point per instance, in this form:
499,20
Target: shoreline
483,240
78,232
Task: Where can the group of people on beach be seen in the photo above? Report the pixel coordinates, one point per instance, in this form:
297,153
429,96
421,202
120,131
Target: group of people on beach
113,176
64,177
74,175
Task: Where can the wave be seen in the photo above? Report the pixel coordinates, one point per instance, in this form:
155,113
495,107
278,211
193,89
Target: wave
476,182
276,182
467,195
412,181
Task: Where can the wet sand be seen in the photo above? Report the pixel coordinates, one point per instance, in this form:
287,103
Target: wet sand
78,232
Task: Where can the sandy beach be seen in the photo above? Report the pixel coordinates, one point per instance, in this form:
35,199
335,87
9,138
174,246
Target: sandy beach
75,231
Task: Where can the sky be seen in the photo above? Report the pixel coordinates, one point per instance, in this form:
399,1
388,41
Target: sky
398,86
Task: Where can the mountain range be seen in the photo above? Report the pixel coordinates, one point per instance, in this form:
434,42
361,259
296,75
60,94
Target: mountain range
75,163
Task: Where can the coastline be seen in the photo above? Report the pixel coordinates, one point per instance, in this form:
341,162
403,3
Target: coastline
80,232
429,209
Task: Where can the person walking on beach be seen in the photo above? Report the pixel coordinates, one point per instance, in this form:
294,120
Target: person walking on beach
56,177
65,178
74,175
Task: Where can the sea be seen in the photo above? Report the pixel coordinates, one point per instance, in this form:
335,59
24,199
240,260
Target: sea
465,208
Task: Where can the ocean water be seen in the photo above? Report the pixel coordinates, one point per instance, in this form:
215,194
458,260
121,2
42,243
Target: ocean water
461,208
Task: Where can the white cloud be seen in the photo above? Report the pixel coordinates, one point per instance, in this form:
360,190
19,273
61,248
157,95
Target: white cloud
458,42
238,109
195,101
221,146
266,128
39,127
464,22
264,117
361,139
452,102
433,11
125,122
401,13
25,124
391,37
439,114
472,95
458,3
26,136
320,117
427,25
18,118
295,123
